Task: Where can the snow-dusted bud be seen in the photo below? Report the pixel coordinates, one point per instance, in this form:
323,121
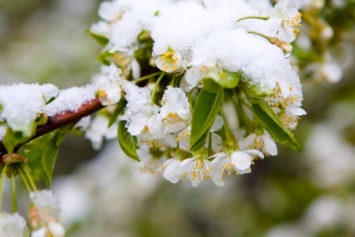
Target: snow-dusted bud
12,225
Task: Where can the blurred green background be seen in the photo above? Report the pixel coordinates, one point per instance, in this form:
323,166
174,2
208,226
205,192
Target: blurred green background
311,193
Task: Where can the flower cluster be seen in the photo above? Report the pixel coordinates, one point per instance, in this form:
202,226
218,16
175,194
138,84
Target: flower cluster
43,216
169,68
178,62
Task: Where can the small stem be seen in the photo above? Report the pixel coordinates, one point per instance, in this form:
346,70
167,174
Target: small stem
226,129
2,182
146,77
254,17
210,150
24,179
13,193
243,118
257,33
29,176
156,86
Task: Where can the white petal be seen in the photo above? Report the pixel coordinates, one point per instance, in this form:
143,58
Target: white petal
186,165
298,111
248,141
39,233
170,173
195,181
241,160
175,127
270,145
217,124
193,76
137,124
216,175
254,152
114,94
56,229
136,69
170,140
216,142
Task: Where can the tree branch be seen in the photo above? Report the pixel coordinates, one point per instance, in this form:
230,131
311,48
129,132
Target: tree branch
60,120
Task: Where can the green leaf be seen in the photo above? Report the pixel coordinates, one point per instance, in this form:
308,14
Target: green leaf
211,86
118,110
101,39
127,142
223,77
13,139
206,109
105,57
50,155
273,125
42,153
200,142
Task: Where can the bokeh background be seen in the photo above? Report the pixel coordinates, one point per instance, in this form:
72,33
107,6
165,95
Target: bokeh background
311,193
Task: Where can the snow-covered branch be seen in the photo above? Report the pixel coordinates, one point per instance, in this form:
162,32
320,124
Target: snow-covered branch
57,121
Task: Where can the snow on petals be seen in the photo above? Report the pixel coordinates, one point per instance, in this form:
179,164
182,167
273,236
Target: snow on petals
12,225
140,114
22,103
175,110
45,214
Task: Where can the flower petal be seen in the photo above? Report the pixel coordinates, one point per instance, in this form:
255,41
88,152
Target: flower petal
241,160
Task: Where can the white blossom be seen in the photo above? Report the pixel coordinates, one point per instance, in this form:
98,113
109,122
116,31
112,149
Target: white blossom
192,77
46,205
191,169
238,161
262,142
168,60
175,110
286,19
98,130
141,115
12,225
109,85
45,214
286,101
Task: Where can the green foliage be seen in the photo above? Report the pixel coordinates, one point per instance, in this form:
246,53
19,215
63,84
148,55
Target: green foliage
102,40
13,139
273,125
207,107
42,153
118,110
127,142
223,77
105,57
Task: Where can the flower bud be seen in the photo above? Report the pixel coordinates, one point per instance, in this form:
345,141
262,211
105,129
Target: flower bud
286,47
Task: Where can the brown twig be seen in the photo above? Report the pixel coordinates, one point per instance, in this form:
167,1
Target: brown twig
60,120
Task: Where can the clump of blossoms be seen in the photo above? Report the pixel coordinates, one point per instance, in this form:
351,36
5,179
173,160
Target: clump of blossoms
168,69
44,212
179,62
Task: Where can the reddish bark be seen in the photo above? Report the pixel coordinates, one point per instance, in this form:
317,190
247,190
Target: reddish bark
60,120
